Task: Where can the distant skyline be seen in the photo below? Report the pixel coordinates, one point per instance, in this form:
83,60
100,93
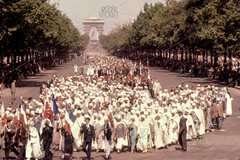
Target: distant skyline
77,10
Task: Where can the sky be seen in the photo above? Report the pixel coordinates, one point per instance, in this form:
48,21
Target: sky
113,11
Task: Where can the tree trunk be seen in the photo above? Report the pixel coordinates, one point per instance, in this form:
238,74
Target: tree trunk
225,78
211,54
230,59
182,54
203,57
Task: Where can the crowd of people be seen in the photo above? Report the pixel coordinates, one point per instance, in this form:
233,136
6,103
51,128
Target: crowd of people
196,67
22,69
111,105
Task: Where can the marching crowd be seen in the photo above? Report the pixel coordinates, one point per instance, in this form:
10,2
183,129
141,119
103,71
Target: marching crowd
112,105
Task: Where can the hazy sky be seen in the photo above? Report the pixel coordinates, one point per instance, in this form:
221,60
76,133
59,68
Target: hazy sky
77,10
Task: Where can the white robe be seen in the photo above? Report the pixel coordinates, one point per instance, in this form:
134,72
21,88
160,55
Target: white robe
121,141
75,128
173,133
190,133
165,127
156,88
158,134
202,127
143,132
33,148
229,105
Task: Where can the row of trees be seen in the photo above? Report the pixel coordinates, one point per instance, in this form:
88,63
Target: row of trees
186,31
34,29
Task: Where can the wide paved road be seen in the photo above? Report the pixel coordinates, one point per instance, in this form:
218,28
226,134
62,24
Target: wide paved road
216,145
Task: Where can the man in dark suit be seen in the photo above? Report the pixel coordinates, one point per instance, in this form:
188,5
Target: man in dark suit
21,140
89,136
10,131
182,132
47,136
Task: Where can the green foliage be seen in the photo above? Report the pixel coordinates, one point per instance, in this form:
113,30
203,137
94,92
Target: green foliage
208,24
36,24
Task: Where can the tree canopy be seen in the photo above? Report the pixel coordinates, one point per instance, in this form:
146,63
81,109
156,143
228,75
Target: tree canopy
197,24
37,25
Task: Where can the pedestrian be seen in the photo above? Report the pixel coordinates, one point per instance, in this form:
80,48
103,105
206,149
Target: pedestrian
132,133
67,143
219,109
46,137
99,133
33,148
182,132
9,132
108,137
13,90
120,133
21,140
89,136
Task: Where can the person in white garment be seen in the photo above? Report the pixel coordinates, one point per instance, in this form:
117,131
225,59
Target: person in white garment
158,132
143,135
229,102
173,127
33,149
120,133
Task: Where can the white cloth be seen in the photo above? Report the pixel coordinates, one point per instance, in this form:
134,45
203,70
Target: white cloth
229,104
33,148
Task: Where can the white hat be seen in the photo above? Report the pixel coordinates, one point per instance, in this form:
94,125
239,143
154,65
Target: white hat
105,118
100,116
142,116
174,110
32,112
87,116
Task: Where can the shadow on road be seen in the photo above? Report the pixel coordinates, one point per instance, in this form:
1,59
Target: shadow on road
28,84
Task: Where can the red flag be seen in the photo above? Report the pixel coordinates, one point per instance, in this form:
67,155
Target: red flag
67,127
48,113
111,120
4,120
23,117
149,79
16,121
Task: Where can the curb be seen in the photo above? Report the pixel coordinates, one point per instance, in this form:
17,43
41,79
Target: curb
237,87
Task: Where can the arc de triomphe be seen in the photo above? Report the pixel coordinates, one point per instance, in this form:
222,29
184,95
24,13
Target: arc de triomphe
98,23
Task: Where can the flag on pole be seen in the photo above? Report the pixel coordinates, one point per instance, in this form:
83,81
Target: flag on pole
111,119
149,78
55,107
70,114
23,117
48,113
16,118
4,120
69,119
67,127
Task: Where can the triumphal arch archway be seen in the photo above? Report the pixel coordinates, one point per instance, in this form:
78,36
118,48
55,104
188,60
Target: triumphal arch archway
93,22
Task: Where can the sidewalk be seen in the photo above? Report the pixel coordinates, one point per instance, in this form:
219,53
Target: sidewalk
30,87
